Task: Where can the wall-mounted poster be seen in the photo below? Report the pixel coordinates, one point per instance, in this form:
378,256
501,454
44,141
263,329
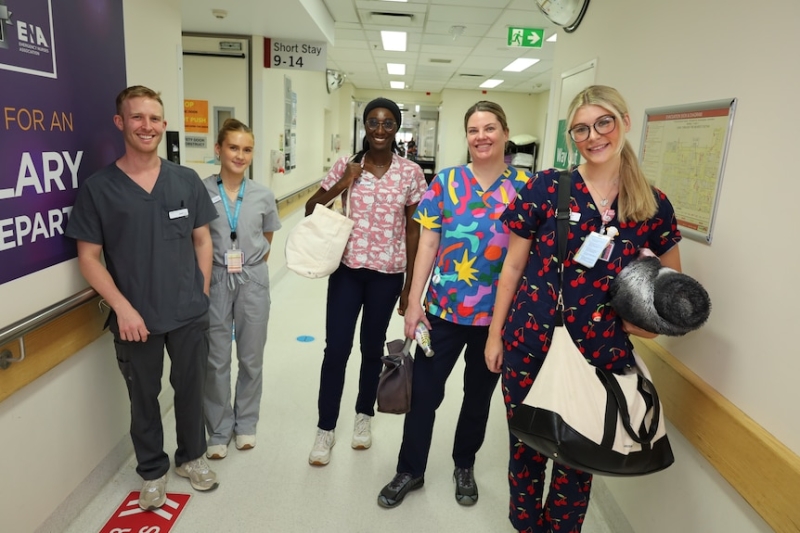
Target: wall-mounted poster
683,153
62,64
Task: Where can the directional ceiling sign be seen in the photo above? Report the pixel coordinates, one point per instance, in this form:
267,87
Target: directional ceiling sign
526,37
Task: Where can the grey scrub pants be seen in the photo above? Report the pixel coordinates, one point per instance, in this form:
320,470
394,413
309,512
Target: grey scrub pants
247,306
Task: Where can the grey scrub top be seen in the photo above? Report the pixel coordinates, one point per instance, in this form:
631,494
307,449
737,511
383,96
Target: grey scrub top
258,215
147,239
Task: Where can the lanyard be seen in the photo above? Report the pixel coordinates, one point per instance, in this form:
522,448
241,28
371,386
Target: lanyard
232,221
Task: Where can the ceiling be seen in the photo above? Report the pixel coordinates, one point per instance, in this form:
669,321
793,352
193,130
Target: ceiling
436,58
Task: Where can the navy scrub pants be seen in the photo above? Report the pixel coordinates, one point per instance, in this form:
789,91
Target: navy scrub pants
427,392
351,291
142,364
563,510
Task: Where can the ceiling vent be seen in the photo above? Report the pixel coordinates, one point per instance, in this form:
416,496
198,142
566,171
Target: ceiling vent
442,61
390,19
472,75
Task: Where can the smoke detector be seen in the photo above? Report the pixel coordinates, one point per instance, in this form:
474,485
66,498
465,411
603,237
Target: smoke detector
219,13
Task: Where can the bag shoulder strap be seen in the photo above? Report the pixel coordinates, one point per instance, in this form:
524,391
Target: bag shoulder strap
562,234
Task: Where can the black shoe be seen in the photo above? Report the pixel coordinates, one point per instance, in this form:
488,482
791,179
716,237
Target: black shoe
466,489
392,494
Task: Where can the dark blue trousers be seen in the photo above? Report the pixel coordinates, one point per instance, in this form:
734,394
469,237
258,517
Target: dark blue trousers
350,292
448,340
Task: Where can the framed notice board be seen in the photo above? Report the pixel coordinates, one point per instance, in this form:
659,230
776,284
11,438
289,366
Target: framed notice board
683,153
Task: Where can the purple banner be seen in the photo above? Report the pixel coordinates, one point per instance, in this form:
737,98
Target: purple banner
62,64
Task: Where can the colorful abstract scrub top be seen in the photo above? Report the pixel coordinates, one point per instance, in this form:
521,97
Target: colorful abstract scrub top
532,315
473,242
378,208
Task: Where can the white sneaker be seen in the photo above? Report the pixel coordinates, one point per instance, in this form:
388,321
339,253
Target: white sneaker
245,442
321,452
217,451
153,493
362,437
200,476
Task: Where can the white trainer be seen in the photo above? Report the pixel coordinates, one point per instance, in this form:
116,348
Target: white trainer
245,442
153,493
217,451
362,436
321,452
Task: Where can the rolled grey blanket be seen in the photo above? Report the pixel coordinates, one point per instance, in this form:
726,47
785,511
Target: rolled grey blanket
659,299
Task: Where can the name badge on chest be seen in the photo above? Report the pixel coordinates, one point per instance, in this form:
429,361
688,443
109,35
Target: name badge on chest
234,259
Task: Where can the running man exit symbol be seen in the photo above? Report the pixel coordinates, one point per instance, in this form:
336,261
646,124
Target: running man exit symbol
526,37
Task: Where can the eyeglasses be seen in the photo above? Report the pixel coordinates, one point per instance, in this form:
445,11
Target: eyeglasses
603,125
388,125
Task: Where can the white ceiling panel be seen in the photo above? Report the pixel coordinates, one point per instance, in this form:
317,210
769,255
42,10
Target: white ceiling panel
355,45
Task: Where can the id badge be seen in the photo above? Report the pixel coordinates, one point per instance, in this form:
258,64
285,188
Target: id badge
592,249
234,259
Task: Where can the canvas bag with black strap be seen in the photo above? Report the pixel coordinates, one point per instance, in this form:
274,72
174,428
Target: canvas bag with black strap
586,417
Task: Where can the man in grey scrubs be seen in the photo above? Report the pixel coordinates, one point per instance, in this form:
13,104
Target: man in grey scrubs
149,218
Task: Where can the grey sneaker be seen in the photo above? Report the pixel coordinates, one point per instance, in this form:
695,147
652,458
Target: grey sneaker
200,476
393,493
466,489
321,452
362,437
153,494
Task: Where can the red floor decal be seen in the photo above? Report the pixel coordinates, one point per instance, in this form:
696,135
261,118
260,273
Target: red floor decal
129,518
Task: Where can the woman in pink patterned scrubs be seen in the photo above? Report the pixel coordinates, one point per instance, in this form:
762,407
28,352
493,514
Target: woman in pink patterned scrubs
383,190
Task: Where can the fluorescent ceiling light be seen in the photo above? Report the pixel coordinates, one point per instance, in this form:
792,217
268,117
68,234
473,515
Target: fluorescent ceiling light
394,41
490,84
518,65
396,69
416,108
553,38
397,84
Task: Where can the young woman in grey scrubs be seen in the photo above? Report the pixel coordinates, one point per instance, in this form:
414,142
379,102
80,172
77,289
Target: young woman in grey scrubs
240,302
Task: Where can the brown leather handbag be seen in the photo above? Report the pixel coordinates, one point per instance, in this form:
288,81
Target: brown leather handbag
394,385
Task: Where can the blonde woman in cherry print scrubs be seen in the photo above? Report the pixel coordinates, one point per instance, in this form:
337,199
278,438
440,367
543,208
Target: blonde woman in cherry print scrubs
609,195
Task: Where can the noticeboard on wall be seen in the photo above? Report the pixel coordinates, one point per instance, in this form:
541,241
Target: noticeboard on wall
683,153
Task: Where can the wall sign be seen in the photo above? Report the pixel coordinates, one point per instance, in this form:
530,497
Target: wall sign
195,116
295,55
51,141
683,153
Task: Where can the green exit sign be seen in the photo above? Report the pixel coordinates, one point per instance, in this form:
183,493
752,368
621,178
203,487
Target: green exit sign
526,37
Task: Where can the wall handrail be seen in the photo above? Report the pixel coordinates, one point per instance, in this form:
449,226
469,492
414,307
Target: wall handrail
18,329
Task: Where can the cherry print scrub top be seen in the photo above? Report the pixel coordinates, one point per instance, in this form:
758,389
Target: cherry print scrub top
532,314
473,242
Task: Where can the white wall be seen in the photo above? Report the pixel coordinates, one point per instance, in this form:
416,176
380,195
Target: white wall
222,82
667,53
523,113
59,428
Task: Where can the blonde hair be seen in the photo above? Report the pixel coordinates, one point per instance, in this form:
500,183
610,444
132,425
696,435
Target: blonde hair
232,124
636,198
137,91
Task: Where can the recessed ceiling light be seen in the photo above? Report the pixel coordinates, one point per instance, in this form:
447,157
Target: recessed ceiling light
394,41
397,84
490,84
553,38
518,65
396,69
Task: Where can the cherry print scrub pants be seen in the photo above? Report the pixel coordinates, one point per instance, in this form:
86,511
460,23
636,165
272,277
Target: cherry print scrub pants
564,508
